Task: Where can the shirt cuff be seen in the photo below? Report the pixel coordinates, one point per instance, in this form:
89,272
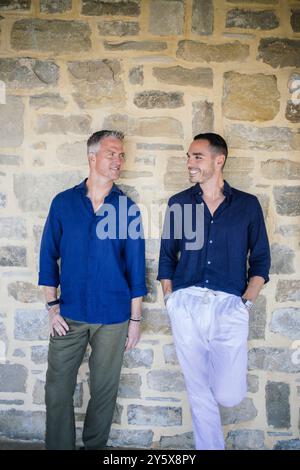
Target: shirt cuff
47,279
138,291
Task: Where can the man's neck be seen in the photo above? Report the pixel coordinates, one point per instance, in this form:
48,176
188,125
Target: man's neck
213,189
97,188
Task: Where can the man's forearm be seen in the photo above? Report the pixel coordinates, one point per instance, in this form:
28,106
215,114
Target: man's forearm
136,308
254,287
167,286
50,293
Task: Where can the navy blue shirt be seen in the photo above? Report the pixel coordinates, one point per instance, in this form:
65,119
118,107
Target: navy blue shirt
235,247
97,277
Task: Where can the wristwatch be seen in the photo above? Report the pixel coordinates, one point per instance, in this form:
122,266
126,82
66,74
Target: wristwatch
51,304
248,304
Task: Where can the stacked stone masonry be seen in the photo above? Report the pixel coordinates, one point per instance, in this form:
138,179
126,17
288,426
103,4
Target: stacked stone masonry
161,71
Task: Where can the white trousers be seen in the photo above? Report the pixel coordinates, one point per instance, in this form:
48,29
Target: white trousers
210,331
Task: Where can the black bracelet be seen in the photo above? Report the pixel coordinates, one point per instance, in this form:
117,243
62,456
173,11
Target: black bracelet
133,319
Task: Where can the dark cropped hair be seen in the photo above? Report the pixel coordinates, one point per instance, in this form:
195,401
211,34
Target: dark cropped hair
216,143
94,139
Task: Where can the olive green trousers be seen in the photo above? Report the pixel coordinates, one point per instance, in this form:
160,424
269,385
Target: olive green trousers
64,359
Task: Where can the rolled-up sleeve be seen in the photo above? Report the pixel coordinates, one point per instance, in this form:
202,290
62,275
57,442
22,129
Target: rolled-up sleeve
135,256
169,247
50,248
259,256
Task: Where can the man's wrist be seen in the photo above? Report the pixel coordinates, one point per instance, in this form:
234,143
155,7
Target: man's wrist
166,296
52,304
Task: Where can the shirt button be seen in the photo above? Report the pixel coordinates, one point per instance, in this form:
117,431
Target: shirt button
211,221
208,262
207,281
210,241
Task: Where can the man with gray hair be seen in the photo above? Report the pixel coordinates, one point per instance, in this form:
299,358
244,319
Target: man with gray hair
102,281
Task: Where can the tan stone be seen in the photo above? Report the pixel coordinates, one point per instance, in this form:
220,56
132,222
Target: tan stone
250,97
281,169
202,52
145,127
199,76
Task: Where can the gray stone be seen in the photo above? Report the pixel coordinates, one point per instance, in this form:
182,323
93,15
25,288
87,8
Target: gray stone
136,75
28,73
177,75
3,342
150,46
291,444
239,91
10,160
2,200
203,117
279,52
25,292
11,402
158,99
137,439
13,228
11,111
142,146
267,2
292,112
282,259
287,199
264,20
56,6
155,321
19,353
273,359
13,256
165,17
240,136
118,414
118,28
34,193
288,290
28,425
135,174
130,386
170,354
183,441
281,169
154,415
72,154
96,82
15,4
245,439
138,358
203,17
31,325
130,191
165,381
47,100
277,404
145,127
253,383
13,378
245,411
56,124
39,354
295,20
290,230
151,282
202,52
112,7
38,396
286,321
257,319
148,160
51,35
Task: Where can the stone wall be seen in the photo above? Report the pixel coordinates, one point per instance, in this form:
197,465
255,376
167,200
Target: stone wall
162,71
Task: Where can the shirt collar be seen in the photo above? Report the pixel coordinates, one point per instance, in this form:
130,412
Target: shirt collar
82,187
227,190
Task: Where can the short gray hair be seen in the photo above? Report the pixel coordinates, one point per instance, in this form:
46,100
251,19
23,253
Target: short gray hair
95,139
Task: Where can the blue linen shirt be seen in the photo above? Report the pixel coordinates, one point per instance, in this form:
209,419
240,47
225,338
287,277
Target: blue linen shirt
234,236
97,277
